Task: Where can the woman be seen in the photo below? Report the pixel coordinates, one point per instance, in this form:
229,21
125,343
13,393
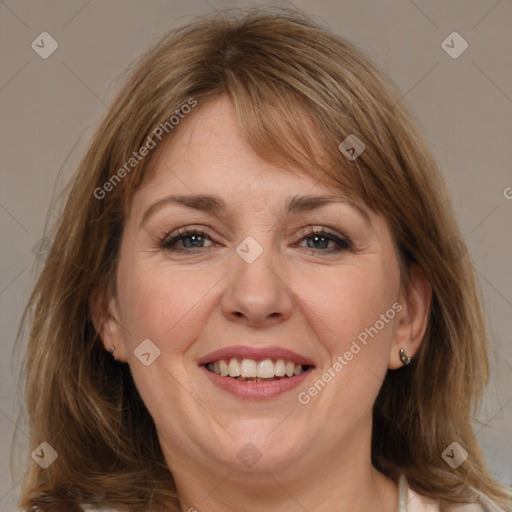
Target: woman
254,299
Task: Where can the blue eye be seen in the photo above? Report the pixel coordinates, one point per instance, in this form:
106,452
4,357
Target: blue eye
193,240
190,238
320,239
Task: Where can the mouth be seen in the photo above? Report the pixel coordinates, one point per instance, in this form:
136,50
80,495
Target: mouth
256,373
252,370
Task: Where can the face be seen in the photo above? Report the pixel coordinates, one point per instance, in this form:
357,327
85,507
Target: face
300,302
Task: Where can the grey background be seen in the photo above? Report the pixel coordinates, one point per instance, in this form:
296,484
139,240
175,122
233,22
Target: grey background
49,108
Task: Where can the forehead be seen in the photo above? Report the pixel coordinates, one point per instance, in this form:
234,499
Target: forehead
209,154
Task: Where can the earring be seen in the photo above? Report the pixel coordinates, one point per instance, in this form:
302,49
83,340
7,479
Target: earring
403,357
113,352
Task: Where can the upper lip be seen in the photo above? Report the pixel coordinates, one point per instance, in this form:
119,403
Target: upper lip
258,354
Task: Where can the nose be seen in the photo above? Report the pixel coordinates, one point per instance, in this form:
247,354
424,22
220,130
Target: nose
257,293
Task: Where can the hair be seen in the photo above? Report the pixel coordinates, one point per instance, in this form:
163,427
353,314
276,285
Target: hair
277,68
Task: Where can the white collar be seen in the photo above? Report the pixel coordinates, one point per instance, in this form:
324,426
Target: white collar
405,494
402,493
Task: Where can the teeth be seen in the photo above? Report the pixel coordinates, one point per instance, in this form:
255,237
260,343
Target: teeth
249,369
224,370
280,368
266,369
234,368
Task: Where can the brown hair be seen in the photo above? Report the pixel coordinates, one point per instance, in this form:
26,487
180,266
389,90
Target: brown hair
276,68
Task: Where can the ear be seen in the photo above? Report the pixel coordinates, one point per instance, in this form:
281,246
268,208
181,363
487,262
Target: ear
105,318
411,321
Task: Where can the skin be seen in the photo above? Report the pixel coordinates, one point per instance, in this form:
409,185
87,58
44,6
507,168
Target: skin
314,456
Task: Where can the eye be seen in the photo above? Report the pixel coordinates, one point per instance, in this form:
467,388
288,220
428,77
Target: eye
191,240
321,240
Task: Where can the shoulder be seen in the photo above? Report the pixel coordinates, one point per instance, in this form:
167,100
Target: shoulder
419,503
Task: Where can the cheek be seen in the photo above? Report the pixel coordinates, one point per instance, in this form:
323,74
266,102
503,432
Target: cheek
353,317
166,304
169,306
348,302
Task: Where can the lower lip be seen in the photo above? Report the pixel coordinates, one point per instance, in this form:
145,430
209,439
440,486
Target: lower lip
256,390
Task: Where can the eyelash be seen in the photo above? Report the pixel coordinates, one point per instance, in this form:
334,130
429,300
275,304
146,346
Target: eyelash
168,242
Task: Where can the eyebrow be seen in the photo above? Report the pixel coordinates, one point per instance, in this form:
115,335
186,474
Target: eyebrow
216,206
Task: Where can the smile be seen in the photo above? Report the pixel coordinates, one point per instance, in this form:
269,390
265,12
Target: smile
251,370
256,373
